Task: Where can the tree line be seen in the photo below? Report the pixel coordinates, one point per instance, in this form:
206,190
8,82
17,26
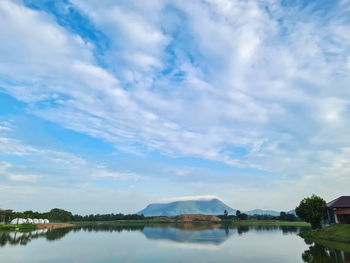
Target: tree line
61,215
284,216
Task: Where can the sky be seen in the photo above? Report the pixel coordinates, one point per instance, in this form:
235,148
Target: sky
109,105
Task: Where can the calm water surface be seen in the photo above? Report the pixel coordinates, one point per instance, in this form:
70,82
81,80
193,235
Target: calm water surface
185,243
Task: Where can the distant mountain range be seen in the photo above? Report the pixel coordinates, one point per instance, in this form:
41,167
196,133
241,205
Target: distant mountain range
262,212
266,212
207,207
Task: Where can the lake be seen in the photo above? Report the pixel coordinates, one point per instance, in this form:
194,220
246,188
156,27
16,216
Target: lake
165,244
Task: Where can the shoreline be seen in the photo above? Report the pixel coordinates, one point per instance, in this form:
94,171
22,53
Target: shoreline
33,227
53,225
338,233
151,222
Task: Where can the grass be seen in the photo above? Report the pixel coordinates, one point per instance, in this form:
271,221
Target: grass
338,233
266,223
21,228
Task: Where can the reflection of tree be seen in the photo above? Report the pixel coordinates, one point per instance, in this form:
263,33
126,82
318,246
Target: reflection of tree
242,229
227,231
289,230
20,238
56,234
318,253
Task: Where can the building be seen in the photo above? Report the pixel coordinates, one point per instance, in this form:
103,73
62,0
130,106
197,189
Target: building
339,210
19,221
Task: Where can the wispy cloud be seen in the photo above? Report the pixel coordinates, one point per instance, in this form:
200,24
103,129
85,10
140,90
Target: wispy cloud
5,171
254,84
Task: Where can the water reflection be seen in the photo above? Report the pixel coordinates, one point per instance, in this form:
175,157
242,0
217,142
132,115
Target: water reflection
189,233
318,253
208,234
18,238
23,238
170,243
212,234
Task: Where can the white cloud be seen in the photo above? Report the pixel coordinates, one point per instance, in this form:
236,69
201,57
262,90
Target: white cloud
248,83
5,171
189,198
119,176
14,147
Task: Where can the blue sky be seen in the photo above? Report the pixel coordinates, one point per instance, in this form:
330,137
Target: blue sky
106,106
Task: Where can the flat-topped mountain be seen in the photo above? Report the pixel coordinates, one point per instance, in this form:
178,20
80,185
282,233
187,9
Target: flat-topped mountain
207,207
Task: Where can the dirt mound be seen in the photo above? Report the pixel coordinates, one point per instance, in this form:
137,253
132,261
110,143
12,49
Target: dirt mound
197,217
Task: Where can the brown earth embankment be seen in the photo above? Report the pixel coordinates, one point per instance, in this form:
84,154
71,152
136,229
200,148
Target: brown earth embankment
197,217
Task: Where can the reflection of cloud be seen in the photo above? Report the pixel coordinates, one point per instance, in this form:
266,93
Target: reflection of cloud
210,238
189,245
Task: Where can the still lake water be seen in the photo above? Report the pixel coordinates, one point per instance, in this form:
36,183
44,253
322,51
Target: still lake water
165,244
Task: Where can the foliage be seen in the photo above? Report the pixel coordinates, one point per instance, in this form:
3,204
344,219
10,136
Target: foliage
287,217
21,228
243,216
336,233
313,210
60,215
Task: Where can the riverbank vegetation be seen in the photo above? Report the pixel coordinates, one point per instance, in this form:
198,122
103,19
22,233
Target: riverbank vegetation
336,233
21,228
313,210
60,215
268,223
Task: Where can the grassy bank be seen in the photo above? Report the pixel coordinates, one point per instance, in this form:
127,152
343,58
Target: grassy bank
265,223
22,228
334,233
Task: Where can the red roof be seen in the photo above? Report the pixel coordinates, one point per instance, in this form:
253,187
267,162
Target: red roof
343,201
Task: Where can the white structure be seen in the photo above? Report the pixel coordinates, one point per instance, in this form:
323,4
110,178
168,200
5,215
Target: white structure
18,221
29,221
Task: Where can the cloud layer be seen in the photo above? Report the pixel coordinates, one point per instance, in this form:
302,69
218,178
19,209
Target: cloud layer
252,84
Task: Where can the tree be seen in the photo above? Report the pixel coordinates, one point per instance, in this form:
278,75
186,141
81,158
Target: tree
238,213
287,217
313,210
243,216
57,214
225,213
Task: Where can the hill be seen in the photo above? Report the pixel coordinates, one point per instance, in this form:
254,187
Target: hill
206,207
